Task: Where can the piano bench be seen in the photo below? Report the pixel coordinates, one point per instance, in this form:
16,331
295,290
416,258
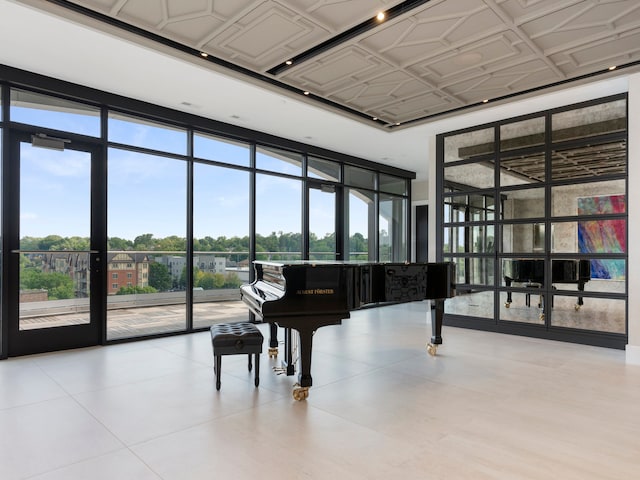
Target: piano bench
234,339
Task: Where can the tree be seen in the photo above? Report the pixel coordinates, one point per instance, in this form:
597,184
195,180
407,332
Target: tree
49,241
207,281
218,280
232,280
172,243
72,243
197,275
144,242
357,243
159,277
117,243
58,285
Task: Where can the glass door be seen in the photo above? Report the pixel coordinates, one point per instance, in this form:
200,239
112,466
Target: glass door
57,252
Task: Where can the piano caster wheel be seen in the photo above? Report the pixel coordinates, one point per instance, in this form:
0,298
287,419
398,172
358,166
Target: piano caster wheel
507,304
432,349
577,307
300,393
273,352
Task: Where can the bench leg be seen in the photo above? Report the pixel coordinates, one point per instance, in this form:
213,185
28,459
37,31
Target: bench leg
250,366
218,367
257,372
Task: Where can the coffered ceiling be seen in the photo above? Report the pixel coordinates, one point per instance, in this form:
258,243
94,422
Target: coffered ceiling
428,58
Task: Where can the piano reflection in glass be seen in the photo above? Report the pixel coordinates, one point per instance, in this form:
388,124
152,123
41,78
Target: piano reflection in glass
307,295
530,273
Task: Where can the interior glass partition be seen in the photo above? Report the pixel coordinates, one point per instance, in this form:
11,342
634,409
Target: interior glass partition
535,219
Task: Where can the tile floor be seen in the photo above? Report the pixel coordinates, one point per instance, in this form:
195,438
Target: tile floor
488,406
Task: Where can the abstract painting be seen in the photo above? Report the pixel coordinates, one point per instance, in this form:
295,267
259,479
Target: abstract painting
603,236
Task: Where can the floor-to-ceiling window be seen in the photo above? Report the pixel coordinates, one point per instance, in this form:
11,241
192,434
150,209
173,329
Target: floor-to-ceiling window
360,209
146,227
172,206
392,225
323,201
278,217
534,216
221,247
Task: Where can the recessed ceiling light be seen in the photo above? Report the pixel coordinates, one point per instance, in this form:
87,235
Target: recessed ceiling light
306,93
375,119
204,54
486,100
380,16
289,62
612,67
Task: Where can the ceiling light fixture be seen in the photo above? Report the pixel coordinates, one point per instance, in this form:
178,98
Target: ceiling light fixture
204,54
486,100
305,92
380,16
613,67
289,62
375,119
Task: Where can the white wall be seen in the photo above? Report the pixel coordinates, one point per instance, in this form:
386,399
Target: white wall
633,207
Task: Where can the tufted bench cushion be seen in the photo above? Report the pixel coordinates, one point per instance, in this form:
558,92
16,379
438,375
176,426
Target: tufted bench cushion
234,339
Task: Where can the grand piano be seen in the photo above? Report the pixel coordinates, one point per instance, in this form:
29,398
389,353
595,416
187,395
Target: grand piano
530,272
307,295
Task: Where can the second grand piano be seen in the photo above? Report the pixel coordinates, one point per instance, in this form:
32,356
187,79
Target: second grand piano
307,295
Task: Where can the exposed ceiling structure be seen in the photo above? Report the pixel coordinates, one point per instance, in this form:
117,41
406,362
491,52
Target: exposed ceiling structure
426,69
424,59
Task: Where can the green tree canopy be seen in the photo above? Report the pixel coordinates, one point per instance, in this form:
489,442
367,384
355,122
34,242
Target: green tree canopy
58,285
159,277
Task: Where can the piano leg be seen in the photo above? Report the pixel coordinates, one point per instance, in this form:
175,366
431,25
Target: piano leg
288,363
306,327
507,282
580,301
301,389
273,340
437,314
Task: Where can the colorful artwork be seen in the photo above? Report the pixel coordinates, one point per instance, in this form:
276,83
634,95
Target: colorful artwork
603,236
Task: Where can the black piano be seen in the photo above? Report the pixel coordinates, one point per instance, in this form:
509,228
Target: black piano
530,272
307,295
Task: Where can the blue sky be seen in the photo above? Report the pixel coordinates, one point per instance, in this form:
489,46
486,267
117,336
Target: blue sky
147,193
